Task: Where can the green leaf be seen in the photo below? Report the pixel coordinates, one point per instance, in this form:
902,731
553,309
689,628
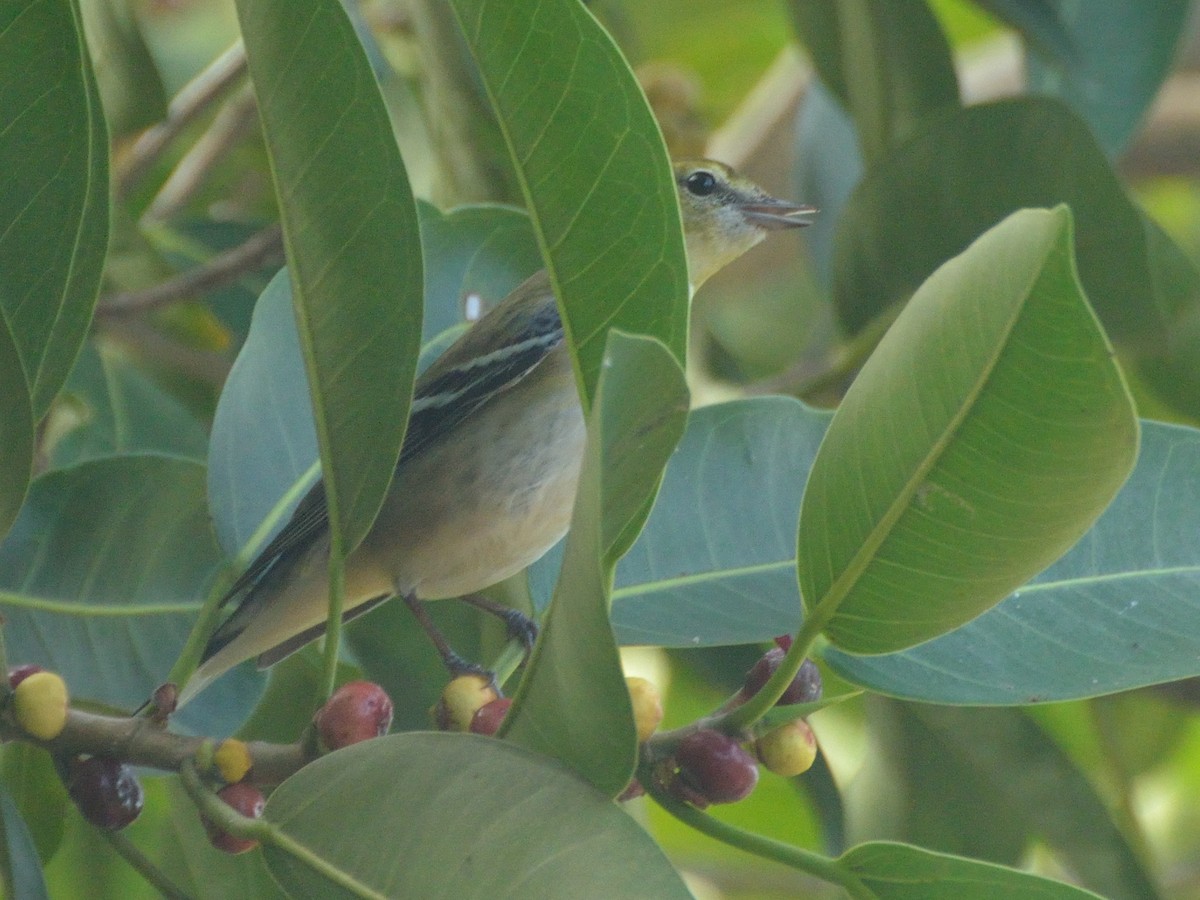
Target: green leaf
1040,787
19,863
100,581
53,189
31,780
1114,613
461,815
1122,53
983,437
131,90
963,174
16,430
592,167
1039,23
573,703
903,872
886,60
716,563
352,240
111,407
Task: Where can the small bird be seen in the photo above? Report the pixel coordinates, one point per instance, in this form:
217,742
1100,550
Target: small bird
486,478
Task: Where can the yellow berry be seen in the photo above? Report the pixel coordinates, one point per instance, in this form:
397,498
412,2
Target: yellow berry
460,699
232,759
40,705
789,749
647,706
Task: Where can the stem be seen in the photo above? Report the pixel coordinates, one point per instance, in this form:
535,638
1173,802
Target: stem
333,626
259,250
192,100
141,863
228,819
756,707
815,864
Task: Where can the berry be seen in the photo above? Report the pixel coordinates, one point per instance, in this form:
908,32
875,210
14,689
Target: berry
40,704
232,759
805,687
789,749
713,768
247,800
358,710
20,673
632,791
106,791
488,717
460,699
647,707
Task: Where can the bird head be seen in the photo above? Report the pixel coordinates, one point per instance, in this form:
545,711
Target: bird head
724,215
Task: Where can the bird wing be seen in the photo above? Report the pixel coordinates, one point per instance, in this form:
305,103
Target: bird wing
458,383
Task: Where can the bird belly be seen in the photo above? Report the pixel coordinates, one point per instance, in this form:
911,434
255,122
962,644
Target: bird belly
478,509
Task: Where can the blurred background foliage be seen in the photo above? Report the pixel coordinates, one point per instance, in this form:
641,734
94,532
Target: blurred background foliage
1064,788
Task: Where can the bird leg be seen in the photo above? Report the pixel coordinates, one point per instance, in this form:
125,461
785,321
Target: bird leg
518,625
454,663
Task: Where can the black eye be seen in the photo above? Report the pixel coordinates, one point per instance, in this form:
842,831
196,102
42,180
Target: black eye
701,183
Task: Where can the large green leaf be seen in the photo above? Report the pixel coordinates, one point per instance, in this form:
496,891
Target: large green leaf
887,61
352,240
53,188
593,169
1117,612
983,437
459,816
573,703
16,430
1121,52
100,580
716,562
112,407
938,766
964,173
903,872
30,778
20,867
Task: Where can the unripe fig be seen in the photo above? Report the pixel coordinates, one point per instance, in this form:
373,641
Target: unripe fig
460,699
789,749
106,791
40,704
247,800
713,768
488,717
358,710
647,706
805,687
232,759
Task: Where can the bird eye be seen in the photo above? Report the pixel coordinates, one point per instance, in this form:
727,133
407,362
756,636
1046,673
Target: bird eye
701,183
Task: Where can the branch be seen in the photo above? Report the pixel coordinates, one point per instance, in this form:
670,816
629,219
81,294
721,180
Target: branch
192,100
144,742
259,250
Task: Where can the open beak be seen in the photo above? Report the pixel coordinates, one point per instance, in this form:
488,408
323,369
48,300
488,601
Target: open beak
772,213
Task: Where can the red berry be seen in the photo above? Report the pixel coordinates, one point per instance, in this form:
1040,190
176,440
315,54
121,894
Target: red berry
106,792
358,710
488,717
713,768
247,800
784,642
805,687
20,673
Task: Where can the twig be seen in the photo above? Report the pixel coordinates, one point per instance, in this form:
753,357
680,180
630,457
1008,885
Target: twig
141,863
227,128
261,249
195,97
142,742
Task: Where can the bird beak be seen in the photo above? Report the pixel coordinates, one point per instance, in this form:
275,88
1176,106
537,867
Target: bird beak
772,213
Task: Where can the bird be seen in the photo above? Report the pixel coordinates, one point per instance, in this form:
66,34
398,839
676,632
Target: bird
486,477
